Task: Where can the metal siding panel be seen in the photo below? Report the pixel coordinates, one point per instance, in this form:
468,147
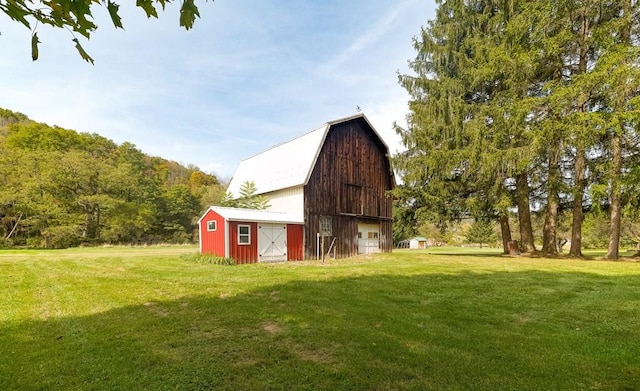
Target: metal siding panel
290,201
243,253
295,242
212,242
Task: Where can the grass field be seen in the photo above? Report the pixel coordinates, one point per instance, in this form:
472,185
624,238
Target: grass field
145,319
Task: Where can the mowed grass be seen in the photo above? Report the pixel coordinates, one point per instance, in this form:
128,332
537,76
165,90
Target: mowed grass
145,319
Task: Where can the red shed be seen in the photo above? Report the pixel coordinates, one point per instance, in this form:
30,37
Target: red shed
250,236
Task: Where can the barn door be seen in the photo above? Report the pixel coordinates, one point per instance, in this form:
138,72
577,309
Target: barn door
368,238
272,242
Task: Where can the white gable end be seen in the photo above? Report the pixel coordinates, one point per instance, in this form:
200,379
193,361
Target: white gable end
289,200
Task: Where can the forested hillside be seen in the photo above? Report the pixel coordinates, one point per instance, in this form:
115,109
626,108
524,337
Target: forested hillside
60,188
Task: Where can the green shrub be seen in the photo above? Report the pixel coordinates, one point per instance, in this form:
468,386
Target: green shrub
61,236
208,259
5,243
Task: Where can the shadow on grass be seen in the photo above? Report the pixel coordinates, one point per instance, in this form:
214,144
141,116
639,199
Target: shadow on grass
467,254
521,330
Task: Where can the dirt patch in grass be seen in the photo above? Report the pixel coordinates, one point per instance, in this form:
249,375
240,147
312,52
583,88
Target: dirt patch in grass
321,356
157,310
272,328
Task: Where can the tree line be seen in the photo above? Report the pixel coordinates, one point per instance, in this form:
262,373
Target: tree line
60,188
528,109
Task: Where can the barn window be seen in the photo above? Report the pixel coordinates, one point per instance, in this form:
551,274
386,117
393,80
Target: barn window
325,225
372,235
212,225
244,234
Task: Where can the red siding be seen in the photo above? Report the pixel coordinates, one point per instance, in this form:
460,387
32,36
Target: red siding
243,253
295,249
212,242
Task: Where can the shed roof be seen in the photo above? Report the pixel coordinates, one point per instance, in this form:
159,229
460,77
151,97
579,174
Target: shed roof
287,164
253,215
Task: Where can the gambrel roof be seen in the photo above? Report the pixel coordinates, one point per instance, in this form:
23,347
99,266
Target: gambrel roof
290,163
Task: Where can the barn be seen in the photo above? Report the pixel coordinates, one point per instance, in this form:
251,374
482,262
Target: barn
335,181
250,236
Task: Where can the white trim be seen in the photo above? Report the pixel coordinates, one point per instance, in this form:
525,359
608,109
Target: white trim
248,234
226,239
200,236
215,225
256,216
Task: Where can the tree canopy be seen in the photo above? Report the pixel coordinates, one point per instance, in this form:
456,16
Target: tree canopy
76,16
60,188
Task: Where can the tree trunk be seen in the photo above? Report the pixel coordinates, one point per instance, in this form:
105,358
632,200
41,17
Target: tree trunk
616,207
524,213
15,226
580,159
616,145
506,231
578,194
549,236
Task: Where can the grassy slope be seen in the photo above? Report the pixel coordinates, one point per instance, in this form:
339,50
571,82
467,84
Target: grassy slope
144,319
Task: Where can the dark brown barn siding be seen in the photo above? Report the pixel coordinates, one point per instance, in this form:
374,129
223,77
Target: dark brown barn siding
349,183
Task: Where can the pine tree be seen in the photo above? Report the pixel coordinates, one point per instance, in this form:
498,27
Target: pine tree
480,232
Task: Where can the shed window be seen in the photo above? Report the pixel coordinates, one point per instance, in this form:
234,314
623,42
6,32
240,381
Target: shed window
325,225
372,235
244,234
212,225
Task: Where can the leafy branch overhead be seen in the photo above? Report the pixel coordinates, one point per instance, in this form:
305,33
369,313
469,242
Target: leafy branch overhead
76,16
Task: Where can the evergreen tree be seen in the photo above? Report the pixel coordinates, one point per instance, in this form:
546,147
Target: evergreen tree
514,101
247,199
480,232
468,136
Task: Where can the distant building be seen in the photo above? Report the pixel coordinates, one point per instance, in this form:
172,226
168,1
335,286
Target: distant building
413,243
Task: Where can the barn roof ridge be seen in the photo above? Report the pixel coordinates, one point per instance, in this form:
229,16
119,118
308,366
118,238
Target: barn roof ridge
271,169
323,126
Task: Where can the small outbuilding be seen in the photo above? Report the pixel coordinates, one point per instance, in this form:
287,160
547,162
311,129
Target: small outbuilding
250,236
414,243
418,242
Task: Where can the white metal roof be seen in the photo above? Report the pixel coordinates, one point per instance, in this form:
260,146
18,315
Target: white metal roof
253,215
287,164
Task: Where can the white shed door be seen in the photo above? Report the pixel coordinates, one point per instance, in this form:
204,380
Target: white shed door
272,242
368,238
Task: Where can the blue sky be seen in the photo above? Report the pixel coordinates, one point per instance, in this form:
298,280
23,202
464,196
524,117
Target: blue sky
250,74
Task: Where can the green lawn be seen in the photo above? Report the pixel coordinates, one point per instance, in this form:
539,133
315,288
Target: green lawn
129,319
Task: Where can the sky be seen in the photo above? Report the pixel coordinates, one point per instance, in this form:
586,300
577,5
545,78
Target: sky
249,75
